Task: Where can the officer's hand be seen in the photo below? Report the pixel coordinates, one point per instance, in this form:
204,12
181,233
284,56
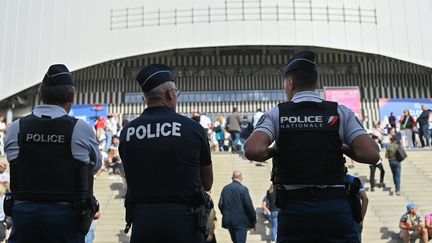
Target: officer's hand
97,215
209,238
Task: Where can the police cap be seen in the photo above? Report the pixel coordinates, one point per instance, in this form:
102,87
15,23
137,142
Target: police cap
153,75
58,74
304,61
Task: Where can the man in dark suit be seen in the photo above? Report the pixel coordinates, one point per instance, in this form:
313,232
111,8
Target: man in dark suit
423,121
237,209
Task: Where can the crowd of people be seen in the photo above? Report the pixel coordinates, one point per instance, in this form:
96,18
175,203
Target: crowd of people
395,137
230,133
412,133
107,134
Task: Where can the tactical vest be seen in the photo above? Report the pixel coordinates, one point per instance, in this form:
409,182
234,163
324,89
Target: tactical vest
308,147
160,166
45,169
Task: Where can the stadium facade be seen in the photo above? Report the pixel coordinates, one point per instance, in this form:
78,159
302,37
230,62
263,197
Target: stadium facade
225,53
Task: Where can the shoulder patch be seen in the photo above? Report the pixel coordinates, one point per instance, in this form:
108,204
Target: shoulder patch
261,120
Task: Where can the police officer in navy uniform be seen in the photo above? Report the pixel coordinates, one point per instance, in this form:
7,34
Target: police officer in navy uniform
167,162
52,161
311,137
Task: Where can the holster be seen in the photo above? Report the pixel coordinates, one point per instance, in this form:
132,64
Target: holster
8,204
88,209
203,205
280,199
129,205
354,199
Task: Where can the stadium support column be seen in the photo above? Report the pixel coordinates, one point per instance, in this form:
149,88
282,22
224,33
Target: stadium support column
9,116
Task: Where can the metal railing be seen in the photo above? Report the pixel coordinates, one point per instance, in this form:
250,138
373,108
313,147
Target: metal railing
216,96
295,10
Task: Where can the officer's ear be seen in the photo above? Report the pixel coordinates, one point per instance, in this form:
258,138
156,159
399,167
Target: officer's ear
289,84
169,95
293,86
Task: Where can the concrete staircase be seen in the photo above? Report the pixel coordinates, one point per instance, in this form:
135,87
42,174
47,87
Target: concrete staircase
109,191
381,222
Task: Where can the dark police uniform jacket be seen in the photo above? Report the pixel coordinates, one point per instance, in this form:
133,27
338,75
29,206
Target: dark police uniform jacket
162,153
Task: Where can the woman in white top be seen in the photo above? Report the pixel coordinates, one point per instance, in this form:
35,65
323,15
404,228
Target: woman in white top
3,129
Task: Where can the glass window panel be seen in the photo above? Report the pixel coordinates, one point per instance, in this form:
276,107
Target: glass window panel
243,96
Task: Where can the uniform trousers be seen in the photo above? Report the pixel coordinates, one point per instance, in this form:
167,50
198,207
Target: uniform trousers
165,222
45,222
317,220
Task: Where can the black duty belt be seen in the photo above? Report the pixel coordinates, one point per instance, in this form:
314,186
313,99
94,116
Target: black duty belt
39,202
169,201
315,193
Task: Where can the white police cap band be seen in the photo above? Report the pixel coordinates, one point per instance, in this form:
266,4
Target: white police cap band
58,74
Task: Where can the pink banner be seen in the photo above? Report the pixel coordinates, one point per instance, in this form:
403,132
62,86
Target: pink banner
349,97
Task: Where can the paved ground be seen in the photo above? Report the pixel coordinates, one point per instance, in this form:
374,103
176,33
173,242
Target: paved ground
381,223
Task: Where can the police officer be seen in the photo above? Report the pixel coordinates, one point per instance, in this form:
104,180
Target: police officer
166,158
311,137
52,160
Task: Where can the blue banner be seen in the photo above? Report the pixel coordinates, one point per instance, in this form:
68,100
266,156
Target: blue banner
89,113
397,106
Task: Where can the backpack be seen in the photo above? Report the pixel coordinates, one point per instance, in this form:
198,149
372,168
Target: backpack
400,154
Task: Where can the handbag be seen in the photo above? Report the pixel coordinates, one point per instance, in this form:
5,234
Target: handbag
400,153
403,125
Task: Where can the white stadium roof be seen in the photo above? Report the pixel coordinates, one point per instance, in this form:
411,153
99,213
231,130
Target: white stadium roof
81,33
